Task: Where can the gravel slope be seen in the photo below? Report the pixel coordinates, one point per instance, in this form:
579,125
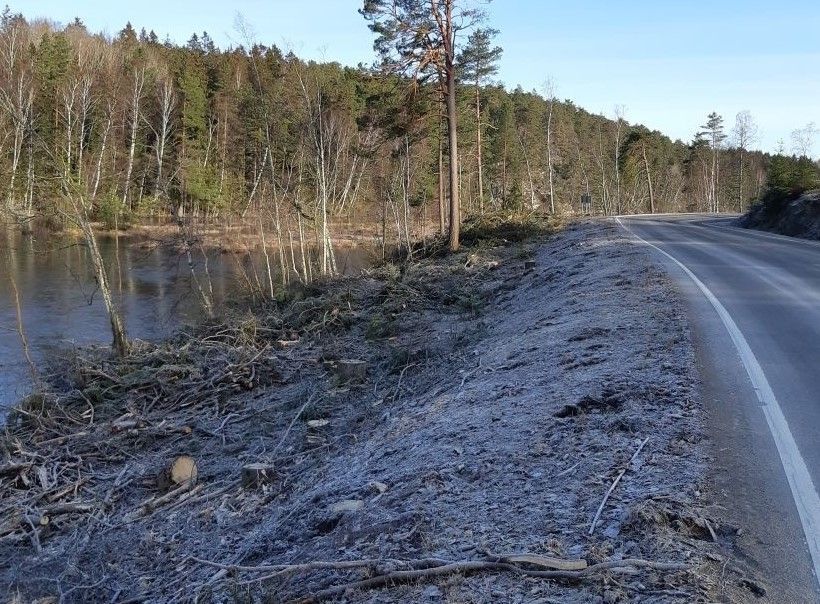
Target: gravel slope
580,359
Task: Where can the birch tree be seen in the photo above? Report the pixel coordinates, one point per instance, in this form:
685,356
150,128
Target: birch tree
549,95
79,207
137,76
619,120
803,140
744,134
166,99
16,95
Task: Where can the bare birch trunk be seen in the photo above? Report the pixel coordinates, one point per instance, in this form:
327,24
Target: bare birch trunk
619,118
649,182
136,96
167,103
120,343
20,109
108,123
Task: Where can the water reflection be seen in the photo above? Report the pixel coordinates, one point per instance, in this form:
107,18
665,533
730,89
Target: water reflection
62,307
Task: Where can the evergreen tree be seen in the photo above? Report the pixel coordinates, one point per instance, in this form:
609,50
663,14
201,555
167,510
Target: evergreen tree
415,37
478,62
713,134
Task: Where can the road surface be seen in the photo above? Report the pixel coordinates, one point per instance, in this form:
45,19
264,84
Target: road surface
755,304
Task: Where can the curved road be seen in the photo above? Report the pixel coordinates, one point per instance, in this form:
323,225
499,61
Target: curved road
755,303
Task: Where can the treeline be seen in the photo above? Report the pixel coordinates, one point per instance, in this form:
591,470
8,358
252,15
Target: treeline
138,127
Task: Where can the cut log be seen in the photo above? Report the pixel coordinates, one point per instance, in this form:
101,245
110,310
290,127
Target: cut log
530,264
183,470
256,474
544,561
318,424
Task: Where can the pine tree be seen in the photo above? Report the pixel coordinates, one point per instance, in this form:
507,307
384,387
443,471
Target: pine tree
714,135
478,62
416,39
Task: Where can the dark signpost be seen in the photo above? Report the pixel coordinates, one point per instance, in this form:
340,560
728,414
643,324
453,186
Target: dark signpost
586,204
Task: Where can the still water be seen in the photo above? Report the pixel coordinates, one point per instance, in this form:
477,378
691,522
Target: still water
62,308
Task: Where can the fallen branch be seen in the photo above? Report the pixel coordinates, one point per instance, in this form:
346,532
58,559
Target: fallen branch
14,468
149,506
472,566
276,570
574,570
541,561
615,484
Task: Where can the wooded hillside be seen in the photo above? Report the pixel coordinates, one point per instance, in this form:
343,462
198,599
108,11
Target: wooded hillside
149,128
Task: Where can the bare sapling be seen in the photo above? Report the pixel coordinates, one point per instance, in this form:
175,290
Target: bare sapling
189,241
21,331
77,213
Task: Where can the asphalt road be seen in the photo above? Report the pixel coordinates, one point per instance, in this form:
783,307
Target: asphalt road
754,300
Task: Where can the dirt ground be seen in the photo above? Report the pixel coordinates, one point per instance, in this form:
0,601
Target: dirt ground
505,390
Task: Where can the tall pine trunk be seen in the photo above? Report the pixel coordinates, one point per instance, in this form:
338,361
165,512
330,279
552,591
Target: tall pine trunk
478,147
549,156
452,134
442,197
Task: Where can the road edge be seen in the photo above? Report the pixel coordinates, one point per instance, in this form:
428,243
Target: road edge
804,493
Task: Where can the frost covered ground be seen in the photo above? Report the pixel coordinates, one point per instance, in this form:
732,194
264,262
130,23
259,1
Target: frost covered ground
507,389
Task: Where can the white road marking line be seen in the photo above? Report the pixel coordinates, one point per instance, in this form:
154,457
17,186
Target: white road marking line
804,493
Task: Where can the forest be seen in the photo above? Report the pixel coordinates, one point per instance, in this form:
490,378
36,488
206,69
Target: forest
132,129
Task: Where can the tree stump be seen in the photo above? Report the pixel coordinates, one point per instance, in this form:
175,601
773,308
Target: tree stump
257,474
351,370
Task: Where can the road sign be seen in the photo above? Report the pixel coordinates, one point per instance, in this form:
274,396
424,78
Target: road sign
586,203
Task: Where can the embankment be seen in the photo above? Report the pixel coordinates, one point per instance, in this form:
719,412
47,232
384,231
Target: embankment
516,422
798,217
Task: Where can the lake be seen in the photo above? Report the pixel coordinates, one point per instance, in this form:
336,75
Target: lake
62,308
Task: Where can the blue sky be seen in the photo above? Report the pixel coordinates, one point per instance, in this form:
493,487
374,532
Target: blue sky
669,63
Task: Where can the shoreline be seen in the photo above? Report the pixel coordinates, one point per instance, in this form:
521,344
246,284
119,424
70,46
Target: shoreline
241,237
